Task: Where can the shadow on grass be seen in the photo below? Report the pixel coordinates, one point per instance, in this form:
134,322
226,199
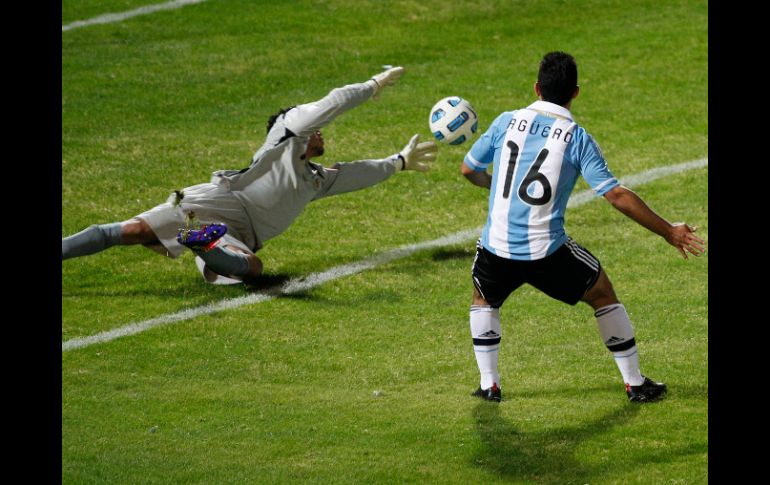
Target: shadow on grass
548,456
675,390
540,457
268,283
446,254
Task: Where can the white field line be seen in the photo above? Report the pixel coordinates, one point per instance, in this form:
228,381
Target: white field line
301,284
109,18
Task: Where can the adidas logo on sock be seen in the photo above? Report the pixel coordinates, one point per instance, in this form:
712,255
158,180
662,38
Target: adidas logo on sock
613,340
490,334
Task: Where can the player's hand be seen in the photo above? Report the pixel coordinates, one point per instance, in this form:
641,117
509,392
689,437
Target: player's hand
682,237
386,78
415,155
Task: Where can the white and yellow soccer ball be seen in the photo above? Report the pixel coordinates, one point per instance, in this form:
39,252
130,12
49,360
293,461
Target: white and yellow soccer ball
453,120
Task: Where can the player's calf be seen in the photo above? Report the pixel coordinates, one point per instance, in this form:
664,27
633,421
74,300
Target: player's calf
486,335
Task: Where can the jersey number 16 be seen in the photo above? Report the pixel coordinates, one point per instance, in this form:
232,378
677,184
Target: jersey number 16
533,175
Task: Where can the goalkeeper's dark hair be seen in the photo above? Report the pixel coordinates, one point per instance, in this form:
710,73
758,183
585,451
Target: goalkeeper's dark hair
271,120
557,77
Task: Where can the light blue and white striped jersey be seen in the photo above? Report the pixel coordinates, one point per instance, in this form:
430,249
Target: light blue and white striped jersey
538,153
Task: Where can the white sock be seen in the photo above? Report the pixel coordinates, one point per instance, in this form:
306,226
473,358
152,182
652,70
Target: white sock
485,331
618,335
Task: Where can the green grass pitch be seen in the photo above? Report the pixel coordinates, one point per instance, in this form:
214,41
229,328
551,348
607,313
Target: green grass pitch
283,391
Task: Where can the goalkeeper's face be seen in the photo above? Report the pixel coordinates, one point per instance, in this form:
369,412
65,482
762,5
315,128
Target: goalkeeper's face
315,145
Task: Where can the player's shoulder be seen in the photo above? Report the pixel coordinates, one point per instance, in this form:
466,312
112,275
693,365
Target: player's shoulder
506,116
584,145
586,138
581,135
578,128
502,120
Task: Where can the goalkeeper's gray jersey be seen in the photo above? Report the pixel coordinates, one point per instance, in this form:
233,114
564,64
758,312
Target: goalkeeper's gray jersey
280,182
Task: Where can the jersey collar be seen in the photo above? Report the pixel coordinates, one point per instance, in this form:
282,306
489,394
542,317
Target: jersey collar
553,110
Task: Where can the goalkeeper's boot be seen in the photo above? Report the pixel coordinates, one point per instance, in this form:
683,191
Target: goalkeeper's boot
492,394
647,391
202,237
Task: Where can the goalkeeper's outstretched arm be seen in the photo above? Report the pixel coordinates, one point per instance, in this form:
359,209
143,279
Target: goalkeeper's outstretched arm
347,177
305,119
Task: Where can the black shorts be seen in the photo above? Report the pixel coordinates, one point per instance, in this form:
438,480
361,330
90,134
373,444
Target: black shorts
565,275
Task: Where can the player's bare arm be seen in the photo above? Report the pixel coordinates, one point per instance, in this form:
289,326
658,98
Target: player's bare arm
679,234
481,178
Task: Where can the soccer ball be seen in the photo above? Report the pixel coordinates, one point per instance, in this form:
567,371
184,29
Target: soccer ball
453,120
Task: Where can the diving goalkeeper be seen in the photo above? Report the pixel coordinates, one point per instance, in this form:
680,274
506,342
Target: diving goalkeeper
227,220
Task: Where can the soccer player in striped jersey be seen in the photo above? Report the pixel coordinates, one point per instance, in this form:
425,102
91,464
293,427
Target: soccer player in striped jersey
239,210
537,154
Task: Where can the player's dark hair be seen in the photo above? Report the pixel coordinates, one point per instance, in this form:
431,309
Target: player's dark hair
557,77
271,120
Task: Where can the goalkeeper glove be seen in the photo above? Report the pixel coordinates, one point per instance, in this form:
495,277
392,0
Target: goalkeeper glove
386,78
414,155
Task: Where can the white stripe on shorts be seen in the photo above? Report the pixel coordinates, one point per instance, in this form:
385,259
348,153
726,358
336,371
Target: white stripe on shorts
583,256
